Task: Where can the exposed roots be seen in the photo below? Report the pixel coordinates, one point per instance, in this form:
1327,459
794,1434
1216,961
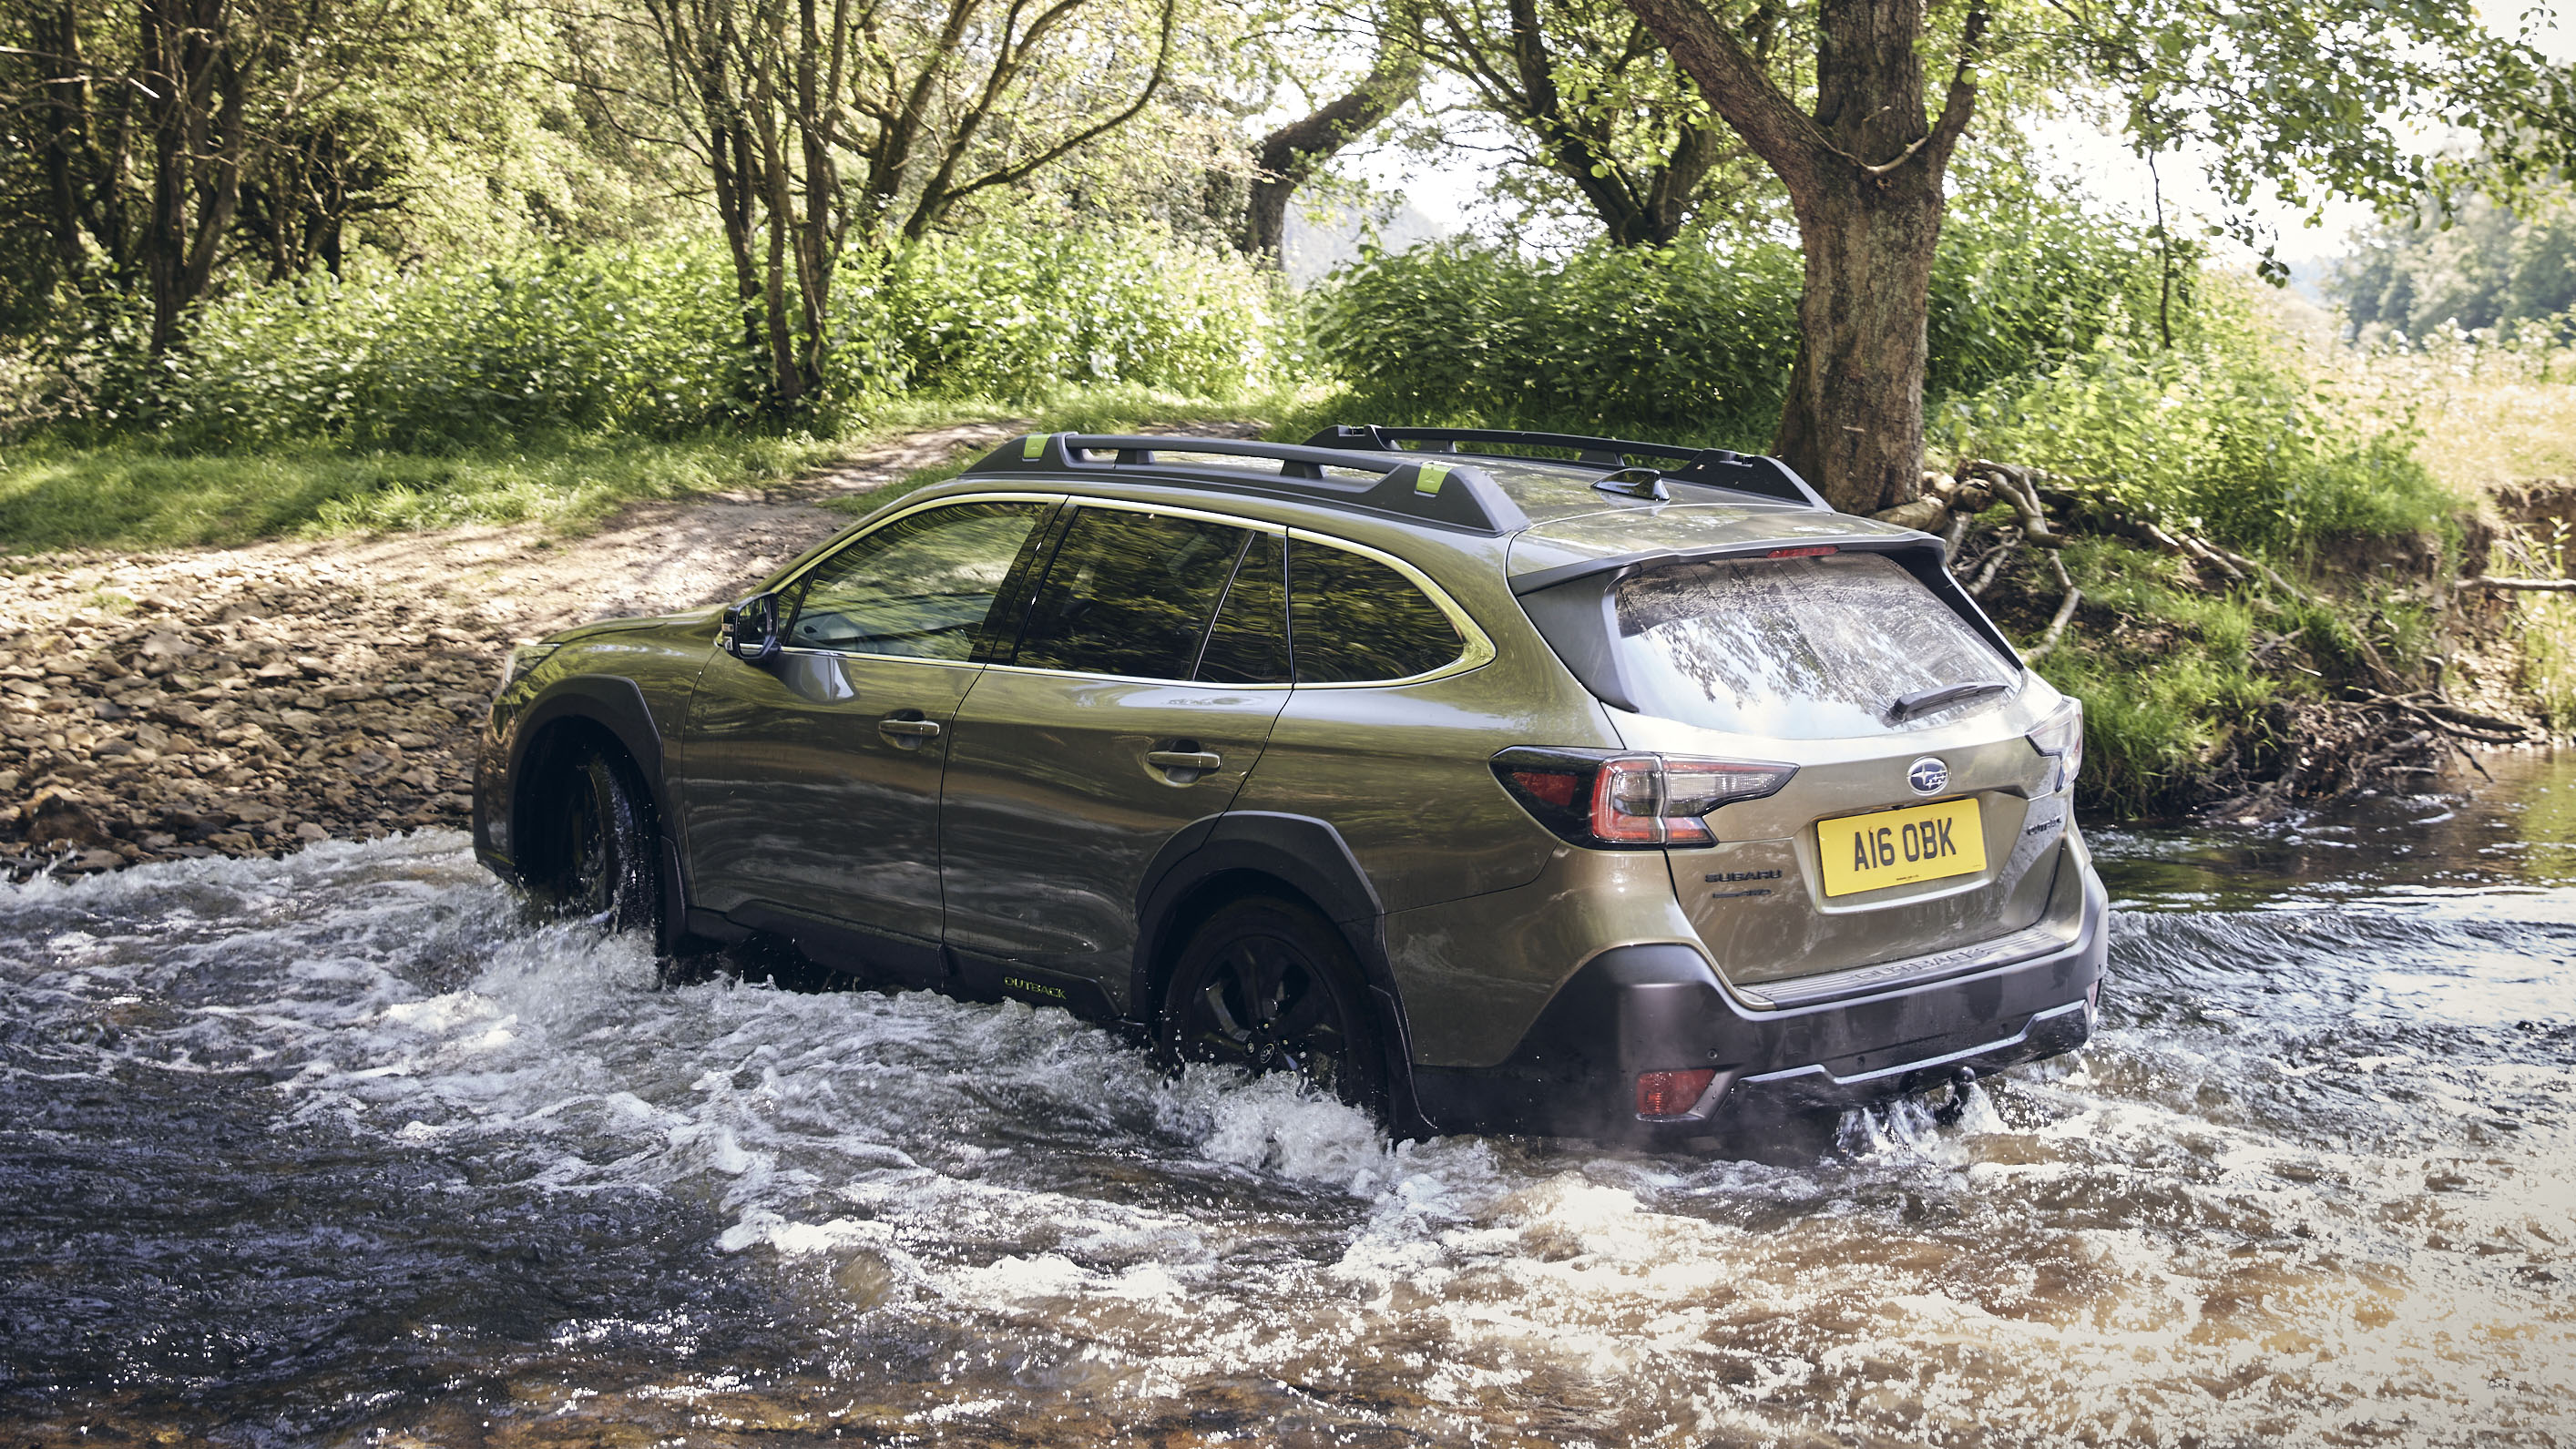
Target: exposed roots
2373,731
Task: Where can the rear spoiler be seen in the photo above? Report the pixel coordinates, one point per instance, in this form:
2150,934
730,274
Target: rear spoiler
1576,606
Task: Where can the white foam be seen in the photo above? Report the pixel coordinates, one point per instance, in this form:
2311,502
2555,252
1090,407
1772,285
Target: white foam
2079,1257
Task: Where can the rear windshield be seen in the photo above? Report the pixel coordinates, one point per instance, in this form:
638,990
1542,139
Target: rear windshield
1799,649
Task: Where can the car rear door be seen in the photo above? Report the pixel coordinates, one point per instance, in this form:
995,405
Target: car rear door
810,781
1135,701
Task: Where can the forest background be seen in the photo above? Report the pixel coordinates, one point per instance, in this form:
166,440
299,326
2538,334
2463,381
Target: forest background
339,266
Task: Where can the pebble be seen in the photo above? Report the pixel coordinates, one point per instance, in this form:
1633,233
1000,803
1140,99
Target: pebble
167,707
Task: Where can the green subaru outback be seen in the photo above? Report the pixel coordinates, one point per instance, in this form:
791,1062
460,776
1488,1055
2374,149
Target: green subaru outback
1493,781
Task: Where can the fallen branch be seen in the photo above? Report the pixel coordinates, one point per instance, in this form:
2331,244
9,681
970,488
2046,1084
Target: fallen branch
2065,611
2015,486
1994,562
2538,586
2442,718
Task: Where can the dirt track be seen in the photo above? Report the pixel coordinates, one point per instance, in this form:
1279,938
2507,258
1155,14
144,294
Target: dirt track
252,699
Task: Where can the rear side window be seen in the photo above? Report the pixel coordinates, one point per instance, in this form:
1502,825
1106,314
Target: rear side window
1249,644
920,587
1130,593
1799,649
1352,618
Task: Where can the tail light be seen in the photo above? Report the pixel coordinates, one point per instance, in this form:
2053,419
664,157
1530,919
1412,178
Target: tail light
2061,738
1672,1094
1603,799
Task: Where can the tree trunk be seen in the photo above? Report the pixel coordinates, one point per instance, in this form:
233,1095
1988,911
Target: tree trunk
1290,156
199,147
1864,174
1852,420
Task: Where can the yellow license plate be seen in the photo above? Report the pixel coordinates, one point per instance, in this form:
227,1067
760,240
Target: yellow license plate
1900,847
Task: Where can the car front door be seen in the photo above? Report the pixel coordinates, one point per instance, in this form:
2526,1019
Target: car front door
1135,701
810,780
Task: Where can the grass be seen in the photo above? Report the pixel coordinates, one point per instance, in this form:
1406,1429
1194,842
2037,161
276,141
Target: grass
2490,412
132,495
2166,688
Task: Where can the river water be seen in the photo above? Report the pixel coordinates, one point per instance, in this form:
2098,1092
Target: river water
338,1149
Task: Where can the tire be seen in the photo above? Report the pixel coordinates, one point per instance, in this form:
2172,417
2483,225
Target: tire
600,860
1270,986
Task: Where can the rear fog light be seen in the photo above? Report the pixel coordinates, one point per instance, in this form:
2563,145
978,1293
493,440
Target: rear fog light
1670,1094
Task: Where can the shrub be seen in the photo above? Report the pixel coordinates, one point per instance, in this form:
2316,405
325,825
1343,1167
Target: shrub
1011,312
2228,432
646,341
641,340
1695,341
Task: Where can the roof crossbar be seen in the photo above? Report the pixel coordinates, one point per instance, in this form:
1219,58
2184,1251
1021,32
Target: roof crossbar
1763,477
1454,495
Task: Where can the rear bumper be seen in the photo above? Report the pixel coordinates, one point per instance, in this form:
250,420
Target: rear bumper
1660,1007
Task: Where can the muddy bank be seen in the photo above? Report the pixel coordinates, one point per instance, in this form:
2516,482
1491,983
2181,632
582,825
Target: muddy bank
2377,665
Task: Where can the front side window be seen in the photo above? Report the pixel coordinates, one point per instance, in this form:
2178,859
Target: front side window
1130,594
920,587
1353,619
1799,649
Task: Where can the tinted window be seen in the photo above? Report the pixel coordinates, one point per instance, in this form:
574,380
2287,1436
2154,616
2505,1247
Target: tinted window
1800,649
1354,619
1249,644
1130,593
919,586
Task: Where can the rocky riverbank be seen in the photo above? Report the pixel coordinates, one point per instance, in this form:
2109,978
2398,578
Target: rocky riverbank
253,700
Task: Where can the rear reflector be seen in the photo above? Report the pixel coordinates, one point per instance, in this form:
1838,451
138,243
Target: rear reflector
1670,1094
1549,787
1813,550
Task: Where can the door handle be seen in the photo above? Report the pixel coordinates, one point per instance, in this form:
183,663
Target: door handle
1202,761
908,733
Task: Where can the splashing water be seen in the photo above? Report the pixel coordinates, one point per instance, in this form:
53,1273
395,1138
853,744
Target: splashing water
338,1148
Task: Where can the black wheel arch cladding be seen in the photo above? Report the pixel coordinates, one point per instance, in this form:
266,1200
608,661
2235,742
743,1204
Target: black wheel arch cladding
1310,859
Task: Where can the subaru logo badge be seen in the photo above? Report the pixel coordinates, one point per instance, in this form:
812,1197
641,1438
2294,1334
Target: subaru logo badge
1928,776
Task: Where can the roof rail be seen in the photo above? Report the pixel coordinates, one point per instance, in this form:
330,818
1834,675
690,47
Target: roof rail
1763,477
1452,495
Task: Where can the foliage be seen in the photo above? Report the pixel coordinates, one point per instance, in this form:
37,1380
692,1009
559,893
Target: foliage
646,340
2546,622
1695,341
1597,119
2228,433
2162,697
2509,270
2303,98
1019,311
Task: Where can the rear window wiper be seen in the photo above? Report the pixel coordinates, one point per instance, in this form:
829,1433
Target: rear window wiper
1909,705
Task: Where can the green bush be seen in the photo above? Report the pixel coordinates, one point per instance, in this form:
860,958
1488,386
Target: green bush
648,341
1016,312
1695,341
639,340
2228,433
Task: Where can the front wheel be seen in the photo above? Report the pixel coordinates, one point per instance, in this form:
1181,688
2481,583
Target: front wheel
1269,986
599,847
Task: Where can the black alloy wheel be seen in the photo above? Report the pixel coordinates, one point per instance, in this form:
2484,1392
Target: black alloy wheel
1269,986
600,855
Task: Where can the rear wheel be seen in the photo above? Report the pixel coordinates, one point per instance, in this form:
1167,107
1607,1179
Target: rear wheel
600,841
1269,986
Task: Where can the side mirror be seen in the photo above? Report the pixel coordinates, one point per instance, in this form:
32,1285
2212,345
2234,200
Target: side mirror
751,629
